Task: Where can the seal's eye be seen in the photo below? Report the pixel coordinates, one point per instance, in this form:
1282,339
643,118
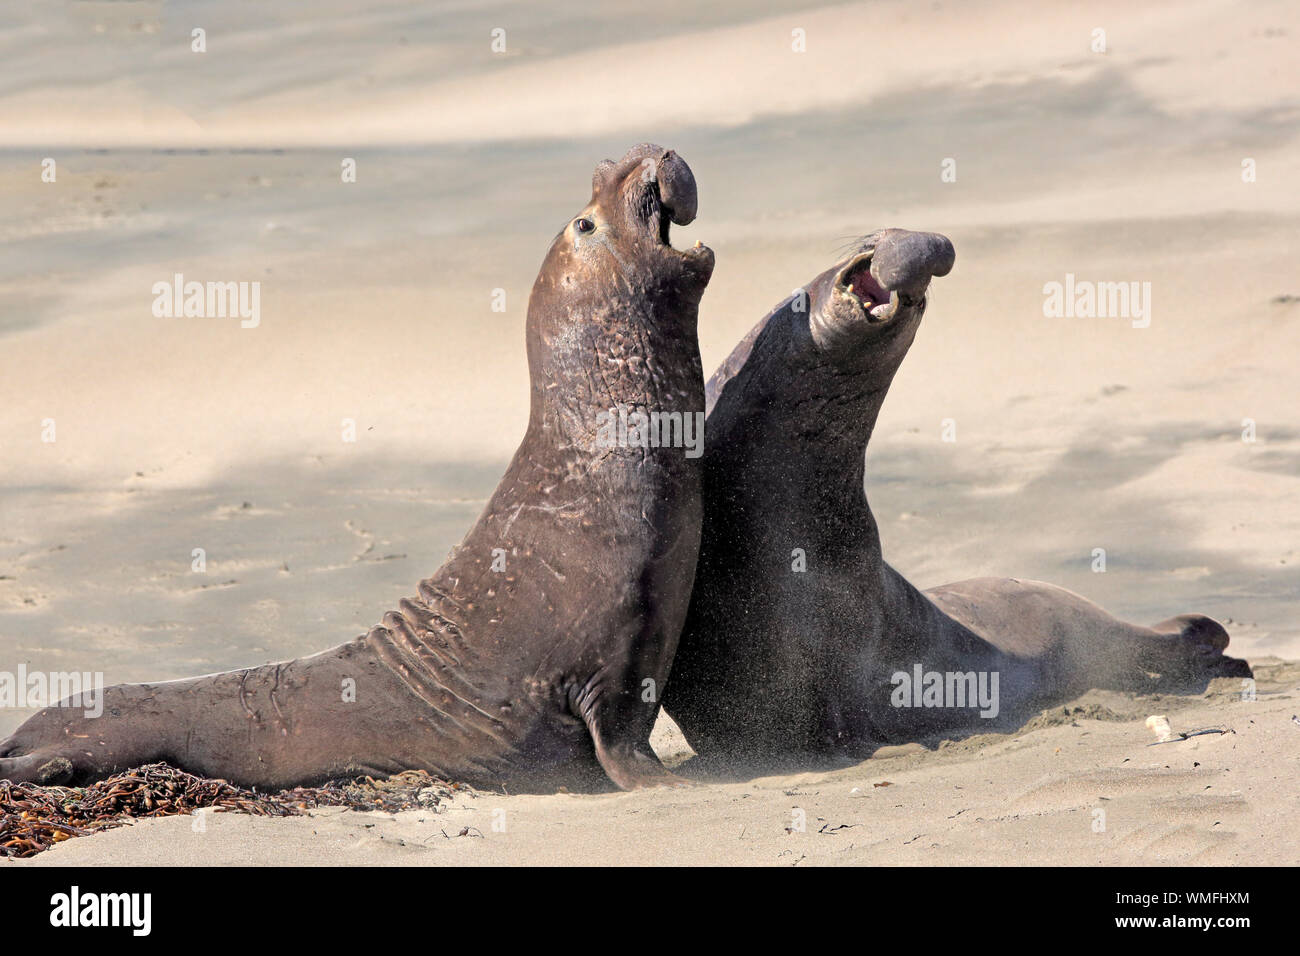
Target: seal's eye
585,225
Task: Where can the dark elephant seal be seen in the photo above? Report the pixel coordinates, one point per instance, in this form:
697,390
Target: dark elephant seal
775,662
493,673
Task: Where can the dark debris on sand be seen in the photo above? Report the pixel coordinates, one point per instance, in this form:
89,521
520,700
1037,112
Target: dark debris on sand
34,818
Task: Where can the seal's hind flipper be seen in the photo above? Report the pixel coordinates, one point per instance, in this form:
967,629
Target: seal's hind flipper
1194,650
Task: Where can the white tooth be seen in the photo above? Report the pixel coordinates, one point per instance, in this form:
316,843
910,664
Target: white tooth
887,310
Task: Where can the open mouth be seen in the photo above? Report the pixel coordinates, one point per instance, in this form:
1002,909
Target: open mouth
662,216
665,223
856,283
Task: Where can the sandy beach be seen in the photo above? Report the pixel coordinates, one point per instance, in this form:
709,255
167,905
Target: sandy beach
1084,784
1072,434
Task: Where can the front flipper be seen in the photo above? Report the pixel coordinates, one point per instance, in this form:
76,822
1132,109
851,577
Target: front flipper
632,768
619,723
38,768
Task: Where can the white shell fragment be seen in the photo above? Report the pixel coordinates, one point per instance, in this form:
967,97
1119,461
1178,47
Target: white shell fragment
1159,725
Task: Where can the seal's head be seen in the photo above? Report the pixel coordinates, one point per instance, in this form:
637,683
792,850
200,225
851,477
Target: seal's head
878,293
632,203
617,246
613,291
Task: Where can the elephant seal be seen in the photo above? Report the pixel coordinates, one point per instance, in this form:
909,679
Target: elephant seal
544,639
798,630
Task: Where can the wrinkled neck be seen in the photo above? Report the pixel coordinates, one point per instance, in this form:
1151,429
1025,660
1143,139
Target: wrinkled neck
632,360
834,426
791,423
830,401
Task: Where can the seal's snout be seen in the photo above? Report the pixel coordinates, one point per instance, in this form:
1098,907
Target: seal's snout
906,261
894,269
641,196
668,171
677,191
656,188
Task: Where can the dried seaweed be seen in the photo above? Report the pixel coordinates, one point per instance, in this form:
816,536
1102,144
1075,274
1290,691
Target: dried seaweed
34,818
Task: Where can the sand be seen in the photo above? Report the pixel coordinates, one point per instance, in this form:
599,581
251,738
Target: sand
1072,433
1085,784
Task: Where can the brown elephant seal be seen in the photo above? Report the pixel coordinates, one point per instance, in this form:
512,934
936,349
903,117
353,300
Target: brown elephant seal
544,640
798,630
